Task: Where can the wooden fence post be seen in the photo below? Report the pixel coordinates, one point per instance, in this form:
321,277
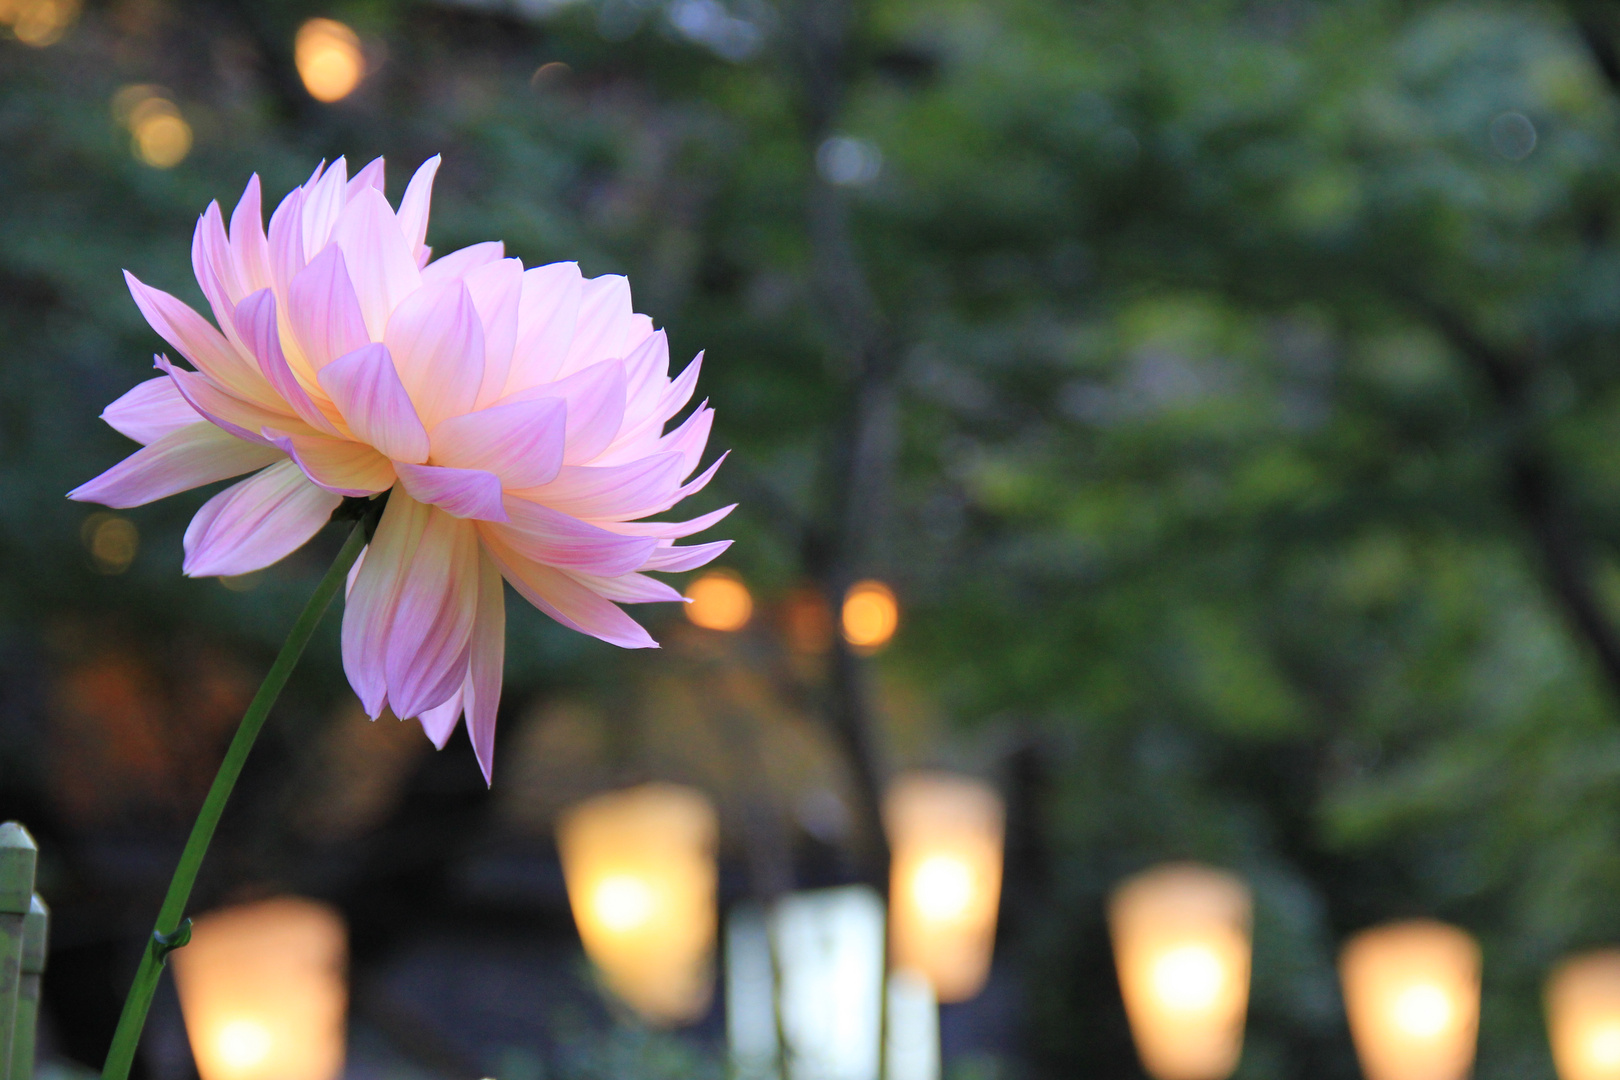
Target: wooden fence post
36,932
17,858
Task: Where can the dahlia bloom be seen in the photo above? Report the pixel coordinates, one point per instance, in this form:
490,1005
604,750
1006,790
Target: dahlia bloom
516,418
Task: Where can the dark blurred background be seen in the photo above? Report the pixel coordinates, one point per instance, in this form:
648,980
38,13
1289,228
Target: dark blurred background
1230,391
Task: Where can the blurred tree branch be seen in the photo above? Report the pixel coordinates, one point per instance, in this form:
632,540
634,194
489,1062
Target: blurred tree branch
1533,488
858,458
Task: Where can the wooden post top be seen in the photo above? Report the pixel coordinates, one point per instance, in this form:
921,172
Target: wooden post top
18,854
36,931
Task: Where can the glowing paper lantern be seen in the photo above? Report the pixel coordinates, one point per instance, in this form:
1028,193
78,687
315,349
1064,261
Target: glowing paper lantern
825,980
719,601
1181,945
263,990
870,616
642,881
1411,990
1583,1016
328,57
945,837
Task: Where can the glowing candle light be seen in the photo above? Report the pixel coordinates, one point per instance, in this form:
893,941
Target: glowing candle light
1181,945
719,601
263,990
870,616
1583,1016
945,835
1411,990
642,881
329,61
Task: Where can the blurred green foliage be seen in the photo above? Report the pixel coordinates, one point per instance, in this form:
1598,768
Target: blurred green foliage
1248,356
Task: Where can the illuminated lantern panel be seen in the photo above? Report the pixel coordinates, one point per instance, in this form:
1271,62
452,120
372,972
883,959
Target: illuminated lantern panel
329,61
945,836
1583,1016
1411,990
719,601
821,991
263,990
1181,944
870,616
640,869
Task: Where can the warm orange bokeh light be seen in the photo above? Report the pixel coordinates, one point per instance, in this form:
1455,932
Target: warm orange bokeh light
1411,990
945,835
642,883
329,59
1583,1016
159,134
719,601
871,615
1181,945
264,991
39,22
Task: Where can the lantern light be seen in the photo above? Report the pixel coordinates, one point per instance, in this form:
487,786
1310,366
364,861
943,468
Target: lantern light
1411,990
263,991
719,601
642,882
329,61
1181,936
1583,1016
870,616
821,991
945,835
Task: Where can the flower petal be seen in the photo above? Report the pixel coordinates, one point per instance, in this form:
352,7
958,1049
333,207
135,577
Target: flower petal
461,262
367,391
212,263
181,460
257,522
368,613
325,196
595,398
629,588
432,626
438,347
691,437
371,176
680,559
521,442
644,427
338,465
482,691
413,208
604,323
462,493
547,313
379,261
250,251
439,722
287,241
496,290
566,599
611,491
242,419
646,375
256,323
544,535
150,411
324,310
668,530
200,343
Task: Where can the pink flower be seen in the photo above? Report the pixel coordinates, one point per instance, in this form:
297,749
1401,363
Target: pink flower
515,416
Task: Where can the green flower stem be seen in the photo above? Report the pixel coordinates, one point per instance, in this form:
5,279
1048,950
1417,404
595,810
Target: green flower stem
122,1052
